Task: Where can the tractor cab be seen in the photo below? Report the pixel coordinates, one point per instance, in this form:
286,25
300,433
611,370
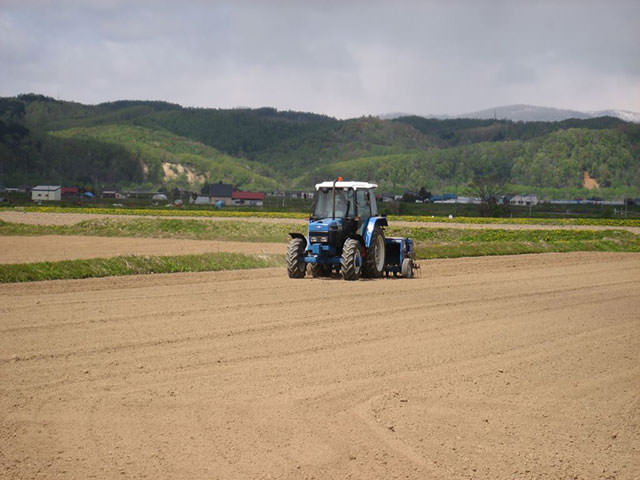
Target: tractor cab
341,209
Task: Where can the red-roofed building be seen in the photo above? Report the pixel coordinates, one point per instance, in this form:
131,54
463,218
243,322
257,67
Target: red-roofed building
248,198
70,192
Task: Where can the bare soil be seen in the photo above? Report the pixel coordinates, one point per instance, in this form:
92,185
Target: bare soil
523,367
37,218
589,183
19,249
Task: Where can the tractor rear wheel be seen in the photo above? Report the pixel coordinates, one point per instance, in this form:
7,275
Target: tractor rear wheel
374,262
320,270
296,266
351,259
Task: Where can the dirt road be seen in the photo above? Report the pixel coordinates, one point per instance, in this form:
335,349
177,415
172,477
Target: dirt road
520,367
73,218
63,247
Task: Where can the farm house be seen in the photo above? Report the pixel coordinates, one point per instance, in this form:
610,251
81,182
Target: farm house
46,193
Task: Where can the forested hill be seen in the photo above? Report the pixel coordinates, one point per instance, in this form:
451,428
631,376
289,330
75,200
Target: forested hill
152,143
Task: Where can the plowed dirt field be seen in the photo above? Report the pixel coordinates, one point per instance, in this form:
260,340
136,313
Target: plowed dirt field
490,368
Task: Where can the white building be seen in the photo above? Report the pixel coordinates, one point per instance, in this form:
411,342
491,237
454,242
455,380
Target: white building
473,200
201,200
531,199
301,195
46,193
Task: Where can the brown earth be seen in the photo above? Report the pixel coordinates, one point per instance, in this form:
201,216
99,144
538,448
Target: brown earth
589,183
37,218
19,249
523,367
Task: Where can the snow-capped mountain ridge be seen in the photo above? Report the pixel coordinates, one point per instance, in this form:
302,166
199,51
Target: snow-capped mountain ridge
626,115
532,113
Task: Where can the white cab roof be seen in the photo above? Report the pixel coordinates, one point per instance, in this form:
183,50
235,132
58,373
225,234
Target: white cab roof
356,185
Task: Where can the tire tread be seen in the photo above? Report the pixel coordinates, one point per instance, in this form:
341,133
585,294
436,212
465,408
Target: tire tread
349,252
296,266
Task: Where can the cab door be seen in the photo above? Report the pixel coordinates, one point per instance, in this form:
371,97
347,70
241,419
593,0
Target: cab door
363,205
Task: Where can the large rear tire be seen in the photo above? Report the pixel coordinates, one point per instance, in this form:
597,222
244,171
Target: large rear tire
296,266
351,259
374,262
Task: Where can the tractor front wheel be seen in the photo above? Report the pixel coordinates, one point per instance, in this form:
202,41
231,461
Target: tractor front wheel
351,259
374,262
296,266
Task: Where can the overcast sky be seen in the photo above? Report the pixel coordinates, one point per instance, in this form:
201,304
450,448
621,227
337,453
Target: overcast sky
343,58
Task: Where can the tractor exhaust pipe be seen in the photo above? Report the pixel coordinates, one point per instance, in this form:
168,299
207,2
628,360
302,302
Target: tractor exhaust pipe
333,212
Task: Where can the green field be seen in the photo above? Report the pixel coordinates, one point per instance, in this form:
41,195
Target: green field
430,242
176,212
441,242
450,243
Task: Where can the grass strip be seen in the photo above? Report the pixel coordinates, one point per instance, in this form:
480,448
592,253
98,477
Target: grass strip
475,249
240,231
440,235
453,243
162,212
614,222
134,265
607,222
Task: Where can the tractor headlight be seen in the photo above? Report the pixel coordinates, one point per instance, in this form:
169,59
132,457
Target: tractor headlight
318,238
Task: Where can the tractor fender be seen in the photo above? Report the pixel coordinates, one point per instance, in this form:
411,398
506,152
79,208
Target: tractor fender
299,235
371,225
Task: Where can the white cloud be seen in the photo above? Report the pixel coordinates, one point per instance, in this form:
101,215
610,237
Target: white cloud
340,58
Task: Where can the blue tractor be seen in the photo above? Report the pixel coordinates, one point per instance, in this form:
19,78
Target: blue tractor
346,235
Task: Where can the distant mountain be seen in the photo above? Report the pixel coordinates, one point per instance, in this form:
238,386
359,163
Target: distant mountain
149,143
394,115
625,115
526,113
530,113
